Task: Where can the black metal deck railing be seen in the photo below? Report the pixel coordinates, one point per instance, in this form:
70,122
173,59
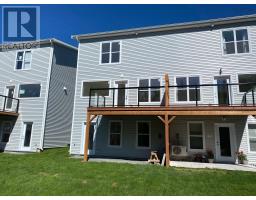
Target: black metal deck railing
203,95
9,104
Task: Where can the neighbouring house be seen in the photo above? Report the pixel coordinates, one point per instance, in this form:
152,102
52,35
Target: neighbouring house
36,96
179,89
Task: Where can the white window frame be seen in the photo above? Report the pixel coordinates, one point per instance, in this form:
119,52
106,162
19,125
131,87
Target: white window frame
18,91
109,133
110,52
203,135
235,41
23,60
248,137
187,88
97,80
137,134
149,102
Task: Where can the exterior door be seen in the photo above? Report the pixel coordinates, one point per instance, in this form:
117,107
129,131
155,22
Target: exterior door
222,91
9,93
225,142
121,96
6,131
92,139
26,136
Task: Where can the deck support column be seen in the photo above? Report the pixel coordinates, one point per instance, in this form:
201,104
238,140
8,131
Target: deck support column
87,136
167,145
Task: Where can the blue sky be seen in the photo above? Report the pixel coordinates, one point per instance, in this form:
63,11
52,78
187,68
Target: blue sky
62,21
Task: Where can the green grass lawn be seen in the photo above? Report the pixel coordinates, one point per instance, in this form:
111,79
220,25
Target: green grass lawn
53,172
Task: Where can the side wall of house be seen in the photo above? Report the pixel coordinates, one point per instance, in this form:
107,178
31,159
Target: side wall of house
31,109
59,114
188,53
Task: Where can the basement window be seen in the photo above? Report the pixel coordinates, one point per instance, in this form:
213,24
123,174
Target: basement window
143,134
115,133
101,88
196,135
252,137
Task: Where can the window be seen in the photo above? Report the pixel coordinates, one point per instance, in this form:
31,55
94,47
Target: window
143,134
184,93
115,132
235,41
29,90
147,94
6,131
252,136
23,60
196,140
93,85
246,78
110,52
27,134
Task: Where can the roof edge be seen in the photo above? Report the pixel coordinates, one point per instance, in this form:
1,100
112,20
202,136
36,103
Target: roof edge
168,27
50,41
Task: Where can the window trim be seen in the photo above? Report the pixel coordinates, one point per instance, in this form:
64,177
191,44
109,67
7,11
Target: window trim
137,134
22,147
121,134
234,29
248,137
100,55
23,60
237,77
161,91
96,80
176,89
18,91
203,136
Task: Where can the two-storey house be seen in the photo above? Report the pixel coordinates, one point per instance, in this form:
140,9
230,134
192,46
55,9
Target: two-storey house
36,96
180,89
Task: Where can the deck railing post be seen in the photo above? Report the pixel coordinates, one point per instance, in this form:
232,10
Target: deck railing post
245,99
4,103
18,106
113,101
97,100
253,100
196,97
138,97
104,101
90,94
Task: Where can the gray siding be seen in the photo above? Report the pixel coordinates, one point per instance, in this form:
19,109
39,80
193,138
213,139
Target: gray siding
31,109
60,104
192,52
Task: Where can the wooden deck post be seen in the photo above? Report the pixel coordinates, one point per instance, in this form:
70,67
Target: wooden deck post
87,136
167,145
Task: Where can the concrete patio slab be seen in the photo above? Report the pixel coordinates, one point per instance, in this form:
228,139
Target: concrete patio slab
118,161
197,165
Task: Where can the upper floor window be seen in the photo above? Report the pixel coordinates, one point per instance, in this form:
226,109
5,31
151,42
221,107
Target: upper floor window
110,52
23,60
235,41
147,94
247,78
29,90
184,93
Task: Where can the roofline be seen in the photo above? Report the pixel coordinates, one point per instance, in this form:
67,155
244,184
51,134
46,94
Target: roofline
50,41
168,27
